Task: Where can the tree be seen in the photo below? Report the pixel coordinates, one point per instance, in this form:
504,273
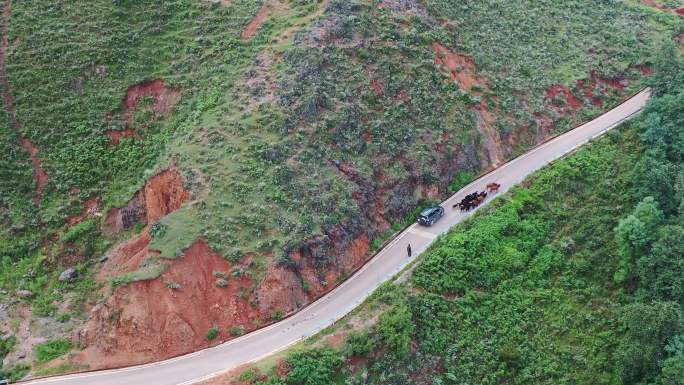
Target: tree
648,328
634,234
672,372
668,74
661,272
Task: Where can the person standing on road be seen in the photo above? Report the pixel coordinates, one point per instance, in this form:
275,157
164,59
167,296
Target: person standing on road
408,250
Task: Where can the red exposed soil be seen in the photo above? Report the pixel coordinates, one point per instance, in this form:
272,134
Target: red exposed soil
485,124
645,69
164,98
126,257
655,4
554,91
91,207
256,22
145,320
401,96
162,194
280,290
460,67
39,174
376,87
116,135
596,82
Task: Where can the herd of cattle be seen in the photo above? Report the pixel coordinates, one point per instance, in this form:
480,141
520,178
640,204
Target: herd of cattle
473,200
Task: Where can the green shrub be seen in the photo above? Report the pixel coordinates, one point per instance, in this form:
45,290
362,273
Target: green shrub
212,333
360,343
313,367
277,315
48,351
79,229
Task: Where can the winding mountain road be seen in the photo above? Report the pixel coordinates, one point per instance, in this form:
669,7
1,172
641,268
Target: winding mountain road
207,363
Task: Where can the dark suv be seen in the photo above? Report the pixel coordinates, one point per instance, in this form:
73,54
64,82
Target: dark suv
429,216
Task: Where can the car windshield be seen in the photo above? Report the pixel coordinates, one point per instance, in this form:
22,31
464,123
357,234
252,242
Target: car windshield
427,212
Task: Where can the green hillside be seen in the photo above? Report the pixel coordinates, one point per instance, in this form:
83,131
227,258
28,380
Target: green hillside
291,137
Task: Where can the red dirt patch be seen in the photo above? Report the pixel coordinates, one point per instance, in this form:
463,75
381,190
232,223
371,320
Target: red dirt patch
645,69
39,174
596,82
401,96
256,22
161,195
460,67
485,124
662,7
654,4
145,320
554,91
164,98
126,257
116,135
376,87
280,290
164,193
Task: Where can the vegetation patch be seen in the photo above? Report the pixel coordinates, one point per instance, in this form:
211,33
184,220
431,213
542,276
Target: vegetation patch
50,350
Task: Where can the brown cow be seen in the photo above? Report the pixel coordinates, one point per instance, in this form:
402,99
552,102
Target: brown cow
493,187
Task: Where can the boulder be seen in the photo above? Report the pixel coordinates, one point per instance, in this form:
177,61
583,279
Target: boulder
68,275
24,293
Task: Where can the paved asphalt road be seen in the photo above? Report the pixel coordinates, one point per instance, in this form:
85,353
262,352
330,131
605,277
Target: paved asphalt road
206,363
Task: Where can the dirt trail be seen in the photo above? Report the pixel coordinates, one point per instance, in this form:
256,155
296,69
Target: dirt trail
256,22
40,175
262,15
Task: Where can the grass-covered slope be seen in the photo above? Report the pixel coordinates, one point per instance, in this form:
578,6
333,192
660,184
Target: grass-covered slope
294,134
576,277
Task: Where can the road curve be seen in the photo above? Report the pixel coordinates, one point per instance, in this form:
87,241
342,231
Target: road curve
391,259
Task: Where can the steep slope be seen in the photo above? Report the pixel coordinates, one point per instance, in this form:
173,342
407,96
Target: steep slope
289,138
